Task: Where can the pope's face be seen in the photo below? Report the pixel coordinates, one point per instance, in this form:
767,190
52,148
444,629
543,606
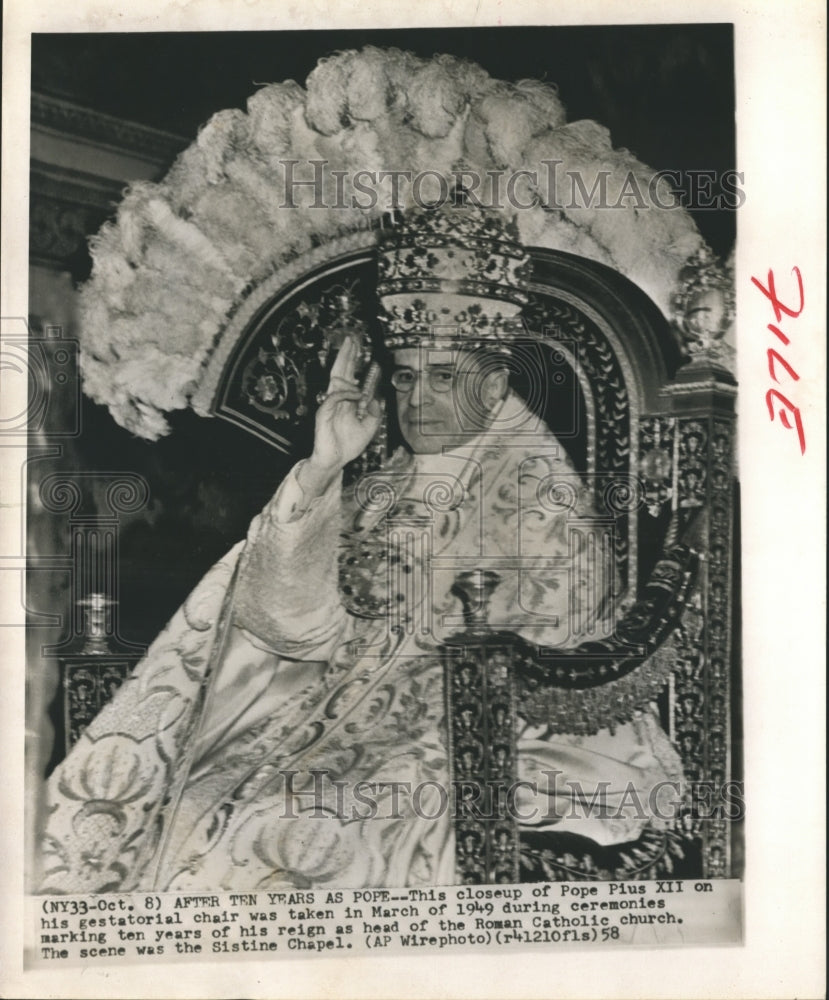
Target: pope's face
442,397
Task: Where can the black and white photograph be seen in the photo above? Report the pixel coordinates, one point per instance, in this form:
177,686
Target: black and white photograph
383,585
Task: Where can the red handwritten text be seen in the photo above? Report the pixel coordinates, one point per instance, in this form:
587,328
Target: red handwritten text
776,359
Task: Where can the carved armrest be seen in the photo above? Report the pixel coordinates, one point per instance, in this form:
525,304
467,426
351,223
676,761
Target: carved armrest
599,683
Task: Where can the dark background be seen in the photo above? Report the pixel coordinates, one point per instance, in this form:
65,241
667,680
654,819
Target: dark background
665,92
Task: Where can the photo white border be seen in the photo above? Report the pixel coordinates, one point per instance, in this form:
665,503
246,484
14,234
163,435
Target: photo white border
781,97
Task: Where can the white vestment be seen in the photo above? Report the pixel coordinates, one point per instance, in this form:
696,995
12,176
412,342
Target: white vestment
288,728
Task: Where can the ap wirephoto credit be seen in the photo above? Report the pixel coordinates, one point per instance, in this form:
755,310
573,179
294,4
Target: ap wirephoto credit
383,582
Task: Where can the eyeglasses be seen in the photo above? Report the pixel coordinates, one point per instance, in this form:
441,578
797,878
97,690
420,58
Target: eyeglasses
438,379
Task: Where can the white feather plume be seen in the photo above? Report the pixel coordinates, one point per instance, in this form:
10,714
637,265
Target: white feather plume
174,262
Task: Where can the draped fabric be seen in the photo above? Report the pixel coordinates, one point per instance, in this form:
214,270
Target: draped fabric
288,728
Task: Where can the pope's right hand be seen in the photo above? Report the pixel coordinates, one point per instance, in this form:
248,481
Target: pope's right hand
340,435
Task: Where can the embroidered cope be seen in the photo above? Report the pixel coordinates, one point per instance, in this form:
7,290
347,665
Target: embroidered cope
288,726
